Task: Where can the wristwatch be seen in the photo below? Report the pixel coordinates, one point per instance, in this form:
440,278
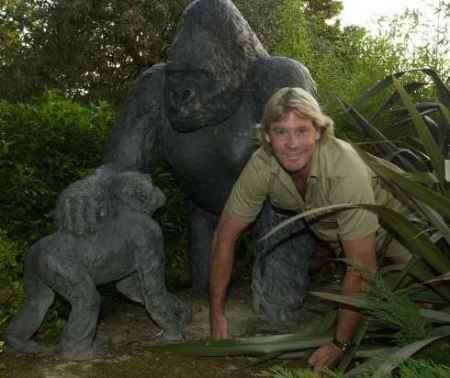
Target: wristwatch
344,346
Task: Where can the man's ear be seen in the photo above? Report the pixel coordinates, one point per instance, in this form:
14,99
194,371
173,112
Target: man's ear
317,137
267,137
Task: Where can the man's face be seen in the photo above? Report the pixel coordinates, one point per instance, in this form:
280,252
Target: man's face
293,139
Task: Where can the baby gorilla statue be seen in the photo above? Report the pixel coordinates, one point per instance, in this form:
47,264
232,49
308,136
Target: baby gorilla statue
126,247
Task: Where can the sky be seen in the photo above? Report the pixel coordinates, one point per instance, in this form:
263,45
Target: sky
365,12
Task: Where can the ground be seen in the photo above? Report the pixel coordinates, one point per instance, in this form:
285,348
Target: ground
125,333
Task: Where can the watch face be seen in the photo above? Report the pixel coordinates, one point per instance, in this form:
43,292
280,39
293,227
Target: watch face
344,346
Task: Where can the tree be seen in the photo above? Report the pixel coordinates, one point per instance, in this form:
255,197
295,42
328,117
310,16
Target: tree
92,49
423,36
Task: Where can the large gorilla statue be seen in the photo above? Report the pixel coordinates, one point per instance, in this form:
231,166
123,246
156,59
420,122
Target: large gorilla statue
200,113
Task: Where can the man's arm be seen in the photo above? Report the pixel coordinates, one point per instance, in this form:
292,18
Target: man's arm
220,268
362,253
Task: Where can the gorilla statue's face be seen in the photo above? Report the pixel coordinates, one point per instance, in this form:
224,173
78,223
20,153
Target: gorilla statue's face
209,60
135,191
202,88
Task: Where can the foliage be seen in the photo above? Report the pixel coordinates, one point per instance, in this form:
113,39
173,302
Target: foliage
422,36
174,220
44,146
410,369
283,372
11,290
93,49
346,61
432,208
84,47
396,309
342,62
423,369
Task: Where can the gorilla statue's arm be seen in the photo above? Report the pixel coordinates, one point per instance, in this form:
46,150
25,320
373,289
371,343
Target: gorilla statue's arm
131,146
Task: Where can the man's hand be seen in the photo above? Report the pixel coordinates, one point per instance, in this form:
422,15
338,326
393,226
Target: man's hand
219,326
325,357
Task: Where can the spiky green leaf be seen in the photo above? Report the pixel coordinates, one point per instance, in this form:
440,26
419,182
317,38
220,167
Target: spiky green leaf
423,132
245,346
383,364
437,201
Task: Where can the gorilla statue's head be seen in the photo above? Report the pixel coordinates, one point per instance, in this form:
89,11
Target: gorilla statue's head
209,60
135,191
269,74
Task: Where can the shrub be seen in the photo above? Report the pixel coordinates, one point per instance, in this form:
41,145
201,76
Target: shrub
44,146
11,292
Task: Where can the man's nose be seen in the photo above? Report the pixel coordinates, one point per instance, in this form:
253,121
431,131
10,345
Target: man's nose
293,140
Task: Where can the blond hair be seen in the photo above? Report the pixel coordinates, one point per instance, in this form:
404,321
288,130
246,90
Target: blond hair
301,102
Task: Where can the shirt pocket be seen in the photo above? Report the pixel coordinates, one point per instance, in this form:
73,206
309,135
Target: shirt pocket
285,203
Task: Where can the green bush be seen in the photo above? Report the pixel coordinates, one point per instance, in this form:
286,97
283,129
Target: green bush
11,290
44,146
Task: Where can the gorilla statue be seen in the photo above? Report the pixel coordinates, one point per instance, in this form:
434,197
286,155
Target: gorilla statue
200,113
127,246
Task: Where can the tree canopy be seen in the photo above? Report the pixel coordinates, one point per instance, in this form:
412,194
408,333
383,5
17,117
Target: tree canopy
93,49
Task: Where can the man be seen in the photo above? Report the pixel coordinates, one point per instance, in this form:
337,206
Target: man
301,166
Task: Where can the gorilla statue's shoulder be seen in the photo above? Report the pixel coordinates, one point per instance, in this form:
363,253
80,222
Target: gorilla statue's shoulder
272,73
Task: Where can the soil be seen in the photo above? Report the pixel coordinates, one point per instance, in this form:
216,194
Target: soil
126,333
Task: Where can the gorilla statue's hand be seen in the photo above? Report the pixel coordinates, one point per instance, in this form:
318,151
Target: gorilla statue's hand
81,205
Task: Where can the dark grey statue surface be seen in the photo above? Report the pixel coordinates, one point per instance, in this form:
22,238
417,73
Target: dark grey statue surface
200,112
126,246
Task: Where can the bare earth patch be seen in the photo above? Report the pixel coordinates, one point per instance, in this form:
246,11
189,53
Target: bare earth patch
125,331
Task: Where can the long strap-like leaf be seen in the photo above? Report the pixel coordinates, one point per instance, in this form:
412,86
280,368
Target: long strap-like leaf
423,132
438,202
383,365
239,347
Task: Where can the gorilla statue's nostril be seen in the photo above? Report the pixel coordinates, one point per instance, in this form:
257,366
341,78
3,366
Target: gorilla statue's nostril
186,94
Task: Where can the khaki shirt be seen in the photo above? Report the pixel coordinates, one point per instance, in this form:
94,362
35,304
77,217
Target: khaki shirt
338,176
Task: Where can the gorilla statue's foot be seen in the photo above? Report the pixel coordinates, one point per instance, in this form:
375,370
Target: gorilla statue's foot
172,335
25,346
97,350
88,354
